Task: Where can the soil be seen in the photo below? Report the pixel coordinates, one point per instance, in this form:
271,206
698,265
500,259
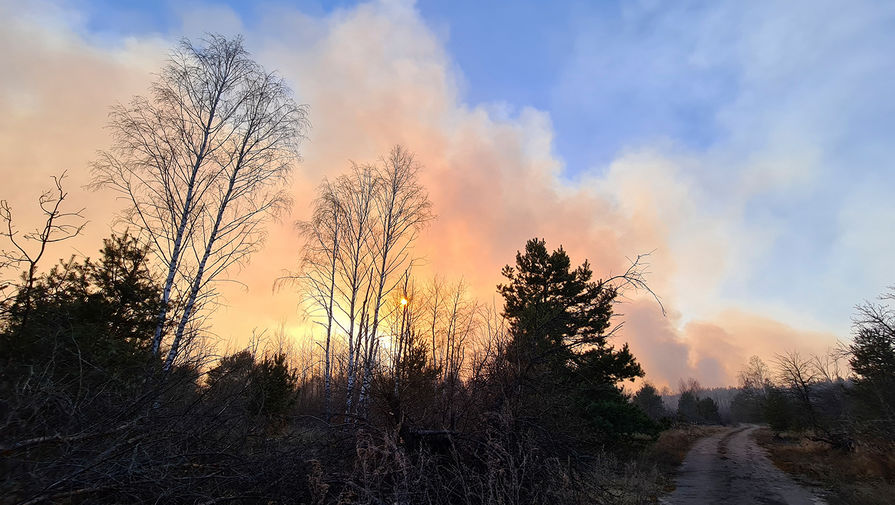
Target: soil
731,468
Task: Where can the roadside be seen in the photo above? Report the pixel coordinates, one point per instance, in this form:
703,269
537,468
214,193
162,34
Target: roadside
857,478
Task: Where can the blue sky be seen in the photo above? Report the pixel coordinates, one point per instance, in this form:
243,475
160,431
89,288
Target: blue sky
611,74
519,54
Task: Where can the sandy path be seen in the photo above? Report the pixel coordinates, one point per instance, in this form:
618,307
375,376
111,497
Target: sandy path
730,468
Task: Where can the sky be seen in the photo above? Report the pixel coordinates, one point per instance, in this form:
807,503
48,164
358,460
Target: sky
747,145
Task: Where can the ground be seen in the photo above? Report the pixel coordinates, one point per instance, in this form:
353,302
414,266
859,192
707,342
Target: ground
863,477
730,467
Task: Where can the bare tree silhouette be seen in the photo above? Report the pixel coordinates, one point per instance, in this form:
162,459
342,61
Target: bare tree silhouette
201,162
58,226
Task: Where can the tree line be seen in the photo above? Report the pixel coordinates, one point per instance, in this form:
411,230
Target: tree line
843,398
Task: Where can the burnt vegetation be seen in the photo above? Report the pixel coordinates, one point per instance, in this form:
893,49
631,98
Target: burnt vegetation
412,391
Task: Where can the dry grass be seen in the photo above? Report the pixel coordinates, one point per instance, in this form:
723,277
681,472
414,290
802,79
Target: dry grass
864,477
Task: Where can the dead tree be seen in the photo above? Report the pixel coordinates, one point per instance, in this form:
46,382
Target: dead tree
756,377
799,375
58,226
634,279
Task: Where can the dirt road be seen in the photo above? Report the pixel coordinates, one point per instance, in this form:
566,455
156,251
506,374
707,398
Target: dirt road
730,468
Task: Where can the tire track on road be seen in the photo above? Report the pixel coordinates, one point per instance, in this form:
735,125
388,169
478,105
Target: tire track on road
731,468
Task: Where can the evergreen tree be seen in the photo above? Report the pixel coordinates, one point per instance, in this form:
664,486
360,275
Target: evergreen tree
688,407
264,387
89,320
650,402
778,411
560,321
707,411
748,406
871,355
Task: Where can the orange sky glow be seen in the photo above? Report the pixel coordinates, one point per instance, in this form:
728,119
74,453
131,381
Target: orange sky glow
375,76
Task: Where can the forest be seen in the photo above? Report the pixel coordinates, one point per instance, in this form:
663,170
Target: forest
413,392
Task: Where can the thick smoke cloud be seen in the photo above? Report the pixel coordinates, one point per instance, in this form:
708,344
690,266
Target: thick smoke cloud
377,75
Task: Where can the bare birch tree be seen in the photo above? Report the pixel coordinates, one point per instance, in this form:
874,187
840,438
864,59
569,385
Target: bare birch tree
335,269
318,272
200,162
254,166
358,250
402,209
357,193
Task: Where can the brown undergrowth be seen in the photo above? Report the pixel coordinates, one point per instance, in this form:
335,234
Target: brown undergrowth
863,477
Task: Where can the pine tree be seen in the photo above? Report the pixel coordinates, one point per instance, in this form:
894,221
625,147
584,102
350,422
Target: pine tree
560,321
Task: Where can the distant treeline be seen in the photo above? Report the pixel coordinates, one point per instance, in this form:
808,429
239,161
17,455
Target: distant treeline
803,394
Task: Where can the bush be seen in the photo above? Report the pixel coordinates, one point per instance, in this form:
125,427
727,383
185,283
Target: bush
264,388
778,411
